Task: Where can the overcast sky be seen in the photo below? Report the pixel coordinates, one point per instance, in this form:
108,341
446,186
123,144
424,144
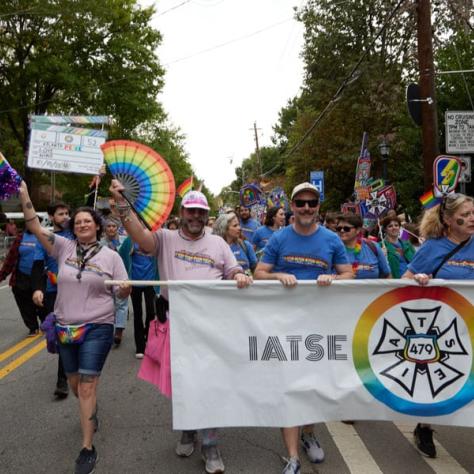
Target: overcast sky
250,69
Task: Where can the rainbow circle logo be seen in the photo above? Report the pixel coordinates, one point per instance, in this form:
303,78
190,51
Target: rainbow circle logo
412,349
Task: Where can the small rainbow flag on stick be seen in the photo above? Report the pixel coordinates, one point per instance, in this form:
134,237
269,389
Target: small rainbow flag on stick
428,200
185,186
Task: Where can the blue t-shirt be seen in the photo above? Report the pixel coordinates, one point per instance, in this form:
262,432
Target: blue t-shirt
261,237
249,227
26,252
245,258
458,267
50,263
366,264
143,265
304,256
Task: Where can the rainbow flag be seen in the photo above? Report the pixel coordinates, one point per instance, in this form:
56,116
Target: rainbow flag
185,186
428,200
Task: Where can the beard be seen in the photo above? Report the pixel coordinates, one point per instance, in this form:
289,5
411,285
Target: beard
62,225
194,226
306,219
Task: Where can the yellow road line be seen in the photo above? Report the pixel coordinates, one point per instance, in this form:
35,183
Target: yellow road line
22,359
18,347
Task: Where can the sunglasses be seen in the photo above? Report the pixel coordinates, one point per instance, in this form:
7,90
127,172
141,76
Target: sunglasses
344,228
302,202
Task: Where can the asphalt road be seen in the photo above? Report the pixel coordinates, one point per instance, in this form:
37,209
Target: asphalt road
41,435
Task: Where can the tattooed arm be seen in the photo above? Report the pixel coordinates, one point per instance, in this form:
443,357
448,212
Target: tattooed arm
32,221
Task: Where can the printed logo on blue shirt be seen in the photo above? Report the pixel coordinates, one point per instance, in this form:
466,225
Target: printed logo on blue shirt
304,260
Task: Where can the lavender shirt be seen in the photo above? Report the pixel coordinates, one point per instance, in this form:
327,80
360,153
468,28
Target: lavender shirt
207,258
86,300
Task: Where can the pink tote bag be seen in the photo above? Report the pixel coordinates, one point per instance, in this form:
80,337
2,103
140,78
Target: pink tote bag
156,364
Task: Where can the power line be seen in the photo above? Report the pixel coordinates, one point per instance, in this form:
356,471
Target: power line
19,12
126,77
227,43
463,76
173,8
348,80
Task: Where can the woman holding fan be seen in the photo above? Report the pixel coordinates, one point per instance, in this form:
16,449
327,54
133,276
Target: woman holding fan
84,309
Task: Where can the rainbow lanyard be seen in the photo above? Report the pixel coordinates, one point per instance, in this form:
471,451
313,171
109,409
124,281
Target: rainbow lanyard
356,252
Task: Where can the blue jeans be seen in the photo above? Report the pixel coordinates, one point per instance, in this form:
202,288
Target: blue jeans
89,357
121,311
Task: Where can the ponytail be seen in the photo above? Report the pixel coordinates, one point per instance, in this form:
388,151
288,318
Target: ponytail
431,226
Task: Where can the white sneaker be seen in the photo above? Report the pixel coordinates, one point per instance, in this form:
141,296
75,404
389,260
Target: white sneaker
185,446
213,460
139,355
293,466
311,447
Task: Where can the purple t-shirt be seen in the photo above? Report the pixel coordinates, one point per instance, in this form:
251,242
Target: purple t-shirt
86,300
179,258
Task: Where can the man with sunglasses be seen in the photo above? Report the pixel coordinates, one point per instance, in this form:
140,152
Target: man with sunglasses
304,250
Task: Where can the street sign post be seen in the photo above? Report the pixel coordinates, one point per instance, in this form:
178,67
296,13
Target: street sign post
317,179
459,132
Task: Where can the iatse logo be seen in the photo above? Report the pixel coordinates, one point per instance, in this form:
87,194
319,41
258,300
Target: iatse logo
412,349
421,350
313,348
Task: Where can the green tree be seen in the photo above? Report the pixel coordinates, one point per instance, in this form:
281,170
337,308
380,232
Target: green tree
372,99
69,57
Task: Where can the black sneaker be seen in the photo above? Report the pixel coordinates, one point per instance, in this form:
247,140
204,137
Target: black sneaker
62,389
424,440
85,463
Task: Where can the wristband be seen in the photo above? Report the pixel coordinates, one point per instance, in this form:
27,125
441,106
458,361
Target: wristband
31,219
123,209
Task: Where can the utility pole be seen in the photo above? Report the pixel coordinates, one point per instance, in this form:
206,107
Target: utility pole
429,126
257,150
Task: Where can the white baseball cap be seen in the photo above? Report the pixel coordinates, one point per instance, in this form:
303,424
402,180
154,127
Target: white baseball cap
195,200
299,188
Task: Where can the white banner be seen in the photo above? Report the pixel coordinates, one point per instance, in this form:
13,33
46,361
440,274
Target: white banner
368,349
271,356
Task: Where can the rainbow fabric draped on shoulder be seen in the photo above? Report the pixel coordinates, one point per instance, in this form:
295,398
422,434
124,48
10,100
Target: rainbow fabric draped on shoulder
147,178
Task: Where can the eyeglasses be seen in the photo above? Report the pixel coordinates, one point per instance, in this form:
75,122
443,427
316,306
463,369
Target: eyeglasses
344,228
302,202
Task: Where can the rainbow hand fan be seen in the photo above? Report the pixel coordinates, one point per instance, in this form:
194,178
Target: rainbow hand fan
147,178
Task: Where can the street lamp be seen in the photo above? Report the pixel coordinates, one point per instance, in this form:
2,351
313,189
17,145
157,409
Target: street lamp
384,148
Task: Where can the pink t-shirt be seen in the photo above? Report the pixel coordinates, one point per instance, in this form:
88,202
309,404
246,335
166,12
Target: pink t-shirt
179,258
86,300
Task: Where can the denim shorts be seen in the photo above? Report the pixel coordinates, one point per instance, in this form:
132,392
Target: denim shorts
89,357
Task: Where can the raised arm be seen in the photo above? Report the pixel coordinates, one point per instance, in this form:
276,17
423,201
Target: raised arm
143,237
45,237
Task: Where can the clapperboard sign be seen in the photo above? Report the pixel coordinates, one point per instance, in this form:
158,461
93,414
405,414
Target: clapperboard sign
55,145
